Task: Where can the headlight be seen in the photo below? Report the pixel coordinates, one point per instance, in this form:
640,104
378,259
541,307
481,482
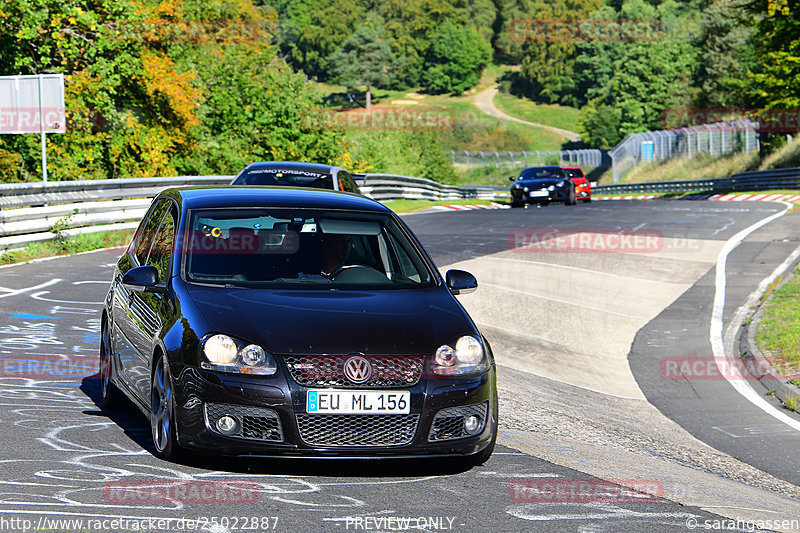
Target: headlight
223,353
466,358
560,184
551,188
220,350
253,355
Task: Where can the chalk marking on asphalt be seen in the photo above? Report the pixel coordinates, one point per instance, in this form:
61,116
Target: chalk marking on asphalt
566,302
718,345
15,292
500,474
392,482
38,296
607,512
354,502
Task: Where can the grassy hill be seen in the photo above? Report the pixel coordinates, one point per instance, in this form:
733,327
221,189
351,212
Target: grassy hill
554,115
461,126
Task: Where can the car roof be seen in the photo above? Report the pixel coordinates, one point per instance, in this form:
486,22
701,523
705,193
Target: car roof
571,168
543,167
294,165
205,197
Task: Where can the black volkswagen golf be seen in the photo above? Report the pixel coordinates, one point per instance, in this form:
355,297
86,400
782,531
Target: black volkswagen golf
294,322
542,185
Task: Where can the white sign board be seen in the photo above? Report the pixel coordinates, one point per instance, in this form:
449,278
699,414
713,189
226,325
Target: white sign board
32,104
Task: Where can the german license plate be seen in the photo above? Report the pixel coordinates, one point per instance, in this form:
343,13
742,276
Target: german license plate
538,193
358,402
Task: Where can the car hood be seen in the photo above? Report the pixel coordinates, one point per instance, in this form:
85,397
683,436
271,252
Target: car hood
538,182
305,322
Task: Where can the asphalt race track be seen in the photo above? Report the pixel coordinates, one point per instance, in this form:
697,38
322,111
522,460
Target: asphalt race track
66,458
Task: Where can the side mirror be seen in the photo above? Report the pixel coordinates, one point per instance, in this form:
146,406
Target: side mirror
460,282
143,278
512,178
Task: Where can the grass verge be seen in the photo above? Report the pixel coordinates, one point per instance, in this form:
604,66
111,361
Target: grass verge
71,245
778,331
411,206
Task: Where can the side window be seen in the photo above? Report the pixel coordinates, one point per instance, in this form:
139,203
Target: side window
161,251
148,229
347,183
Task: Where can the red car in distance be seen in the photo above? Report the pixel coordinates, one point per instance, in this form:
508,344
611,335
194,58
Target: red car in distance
583,190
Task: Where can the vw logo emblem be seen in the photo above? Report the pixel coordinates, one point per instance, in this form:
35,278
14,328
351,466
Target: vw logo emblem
357,369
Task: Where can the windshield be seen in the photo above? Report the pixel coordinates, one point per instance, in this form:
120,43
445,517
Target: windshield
284,177
573,172
541,173
300,248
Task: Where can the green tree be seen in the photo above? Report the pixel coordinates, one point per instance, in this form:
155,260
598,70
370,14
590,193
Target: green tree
365,58
774,82
312,30
726,55
410,26
455,59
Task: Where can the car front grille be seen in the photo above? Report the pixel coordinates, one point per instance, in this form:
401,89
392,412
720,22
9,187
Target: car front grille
388,371
448,423
254,423
357,430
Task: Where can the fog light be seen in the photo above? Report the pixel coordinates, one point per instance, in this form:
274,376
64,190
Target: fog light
471,423
226,425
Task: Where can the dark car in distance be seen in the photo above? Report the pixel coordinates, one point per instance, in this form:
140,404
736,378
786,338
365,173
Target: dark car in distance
267,321
296,174
542,185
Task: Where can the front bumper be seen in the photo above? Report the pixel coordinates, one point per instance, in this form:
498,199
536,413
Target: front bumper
559,194
196,390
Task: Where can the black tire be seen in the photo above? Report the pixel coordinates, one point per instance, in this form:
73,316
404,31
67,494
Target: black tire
482,456
517,204
162,412
571,200
586,200
110,394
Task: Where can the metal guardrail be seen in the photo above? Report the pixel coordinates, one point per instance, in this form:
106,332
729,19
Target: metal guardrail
586,158
762,180
756,180
60,192
29,211
394,187
665,186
